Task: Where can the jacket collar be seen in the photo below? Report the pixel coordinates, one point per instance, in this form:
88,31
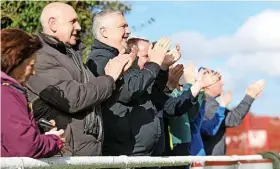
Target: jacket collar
6,77
100,45
10,81
211,106
209,98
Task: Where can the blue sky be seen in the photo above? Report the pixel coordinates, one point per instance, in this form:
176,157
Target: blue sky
223,36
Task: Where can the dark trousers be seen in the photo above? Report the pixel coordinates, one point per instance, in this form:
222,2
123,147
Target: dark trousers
178,150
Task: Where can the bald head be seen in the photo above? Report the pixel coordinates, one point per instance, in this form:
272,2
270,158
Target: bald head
61,21
111,28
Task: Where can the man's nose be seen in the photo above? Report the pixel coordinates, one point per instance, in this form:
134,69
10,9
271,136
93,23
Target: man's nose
78,27
128,30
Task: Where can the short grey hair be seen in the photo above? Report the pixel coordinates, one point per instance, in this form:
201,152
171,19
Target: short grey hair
98,18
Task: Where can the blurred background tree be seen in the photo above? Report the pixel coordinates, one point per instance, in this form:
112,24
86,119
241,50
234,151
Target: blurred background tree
26,15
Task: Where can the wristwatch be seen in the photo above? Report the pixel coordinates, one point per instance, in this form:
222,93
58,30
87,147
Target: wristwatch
167,90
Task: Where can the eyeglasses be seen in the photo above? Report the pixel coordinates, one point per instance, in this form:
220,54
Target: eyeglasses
203,68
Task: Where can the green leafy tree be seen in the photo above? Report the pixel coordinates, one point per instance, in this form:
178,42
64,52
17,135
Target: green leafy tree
26,15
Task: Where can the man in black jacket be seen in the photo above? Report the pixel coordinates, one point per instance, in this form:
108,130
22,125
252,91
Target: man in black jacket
64,89
133,115
215,145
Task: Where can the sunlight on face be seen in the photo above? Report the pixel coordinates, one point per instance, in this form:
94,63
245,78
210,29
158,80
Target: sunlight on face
117,31
24,71
68,26
217,88
29,70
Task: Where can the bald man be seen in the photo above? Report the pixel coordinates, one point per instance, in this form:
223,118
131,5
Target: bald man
64,89
60,21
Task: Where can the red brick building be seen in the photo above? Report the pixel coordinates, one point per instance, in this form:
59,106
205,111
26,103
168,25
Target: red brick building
255,134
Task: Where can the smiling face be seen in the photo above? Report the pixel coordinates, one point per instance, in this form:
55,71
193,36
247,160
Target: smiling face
143,47
116,31
66,26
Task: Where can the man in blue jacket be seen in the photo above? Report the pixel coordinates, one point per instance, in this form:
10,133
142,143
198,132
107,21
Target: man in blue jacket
209,127
178,127
215,145
186,130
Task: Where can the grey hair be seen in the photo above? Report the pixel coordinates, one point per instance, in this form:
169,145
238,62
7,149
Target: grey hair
98,18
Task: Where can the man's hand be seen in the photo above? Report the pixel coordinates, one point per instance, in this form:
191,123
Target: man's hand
225,99
133,52
190,73
255,89
171,57
205,78
175,73
158,52
115,66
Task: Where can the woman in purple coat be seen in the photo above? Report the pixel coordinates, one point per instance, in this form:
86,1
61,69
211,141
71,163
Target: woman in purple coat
20,135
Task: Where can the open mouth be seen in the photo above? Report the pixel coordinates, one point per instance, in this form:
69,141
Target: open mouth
125,37
75,37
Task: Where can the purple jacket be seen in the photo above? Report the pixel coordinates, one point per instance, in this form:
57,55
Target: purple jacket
20,136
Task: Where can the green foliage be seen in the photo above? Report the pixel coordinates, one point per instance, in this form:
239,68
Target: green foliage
26,15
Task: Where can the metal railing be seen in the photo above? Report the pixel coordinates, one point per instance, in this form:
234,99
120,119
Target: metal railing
113,162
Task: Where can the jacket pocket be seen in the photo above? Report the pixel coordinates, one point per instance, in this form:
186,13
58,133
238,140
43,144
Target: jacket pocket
146,140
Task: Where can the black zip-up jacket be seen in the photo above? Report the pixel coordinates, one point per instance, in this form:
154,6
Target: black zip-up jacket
132,117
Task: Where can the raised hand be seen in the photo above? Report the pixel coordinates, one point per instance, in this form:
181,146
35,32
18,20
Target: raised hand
171,57
225,99
115,66
157,53
255,89
133,52
206,78
175,73
190,73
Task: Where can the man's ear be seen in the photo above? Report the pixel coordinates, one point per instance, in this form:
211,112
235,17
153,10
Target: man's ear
53,24
103,32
